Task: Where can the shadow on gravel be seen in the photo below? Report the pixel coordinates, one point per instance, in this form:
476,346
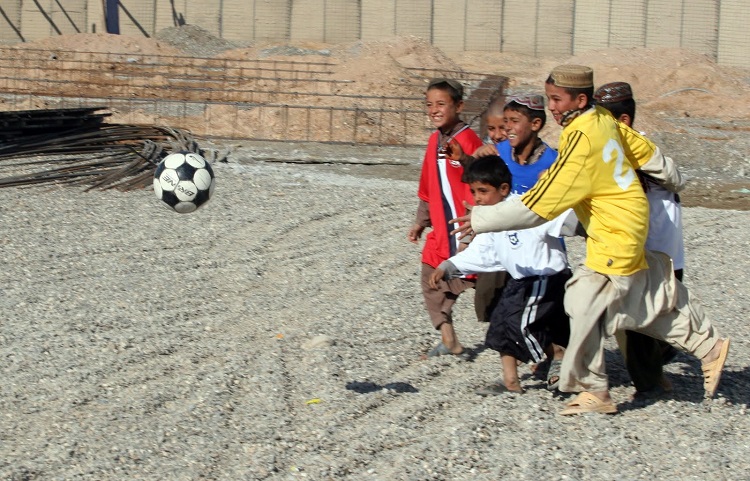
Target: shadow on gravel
688,386
365,387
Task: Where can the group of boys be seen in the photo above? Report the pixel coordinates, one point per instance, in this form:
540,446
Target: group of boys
608,183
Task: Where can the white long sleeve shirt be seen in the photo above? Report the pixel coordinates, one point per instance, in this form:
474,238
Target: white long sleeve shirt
522,253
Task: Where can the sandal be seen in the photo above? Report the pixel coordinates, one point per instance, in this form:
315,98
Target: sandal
553,374
442,350
712,370
588,403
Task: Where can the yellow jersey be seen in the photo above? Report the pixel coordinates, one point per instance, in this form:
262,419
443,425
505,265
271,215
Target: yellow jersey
595,175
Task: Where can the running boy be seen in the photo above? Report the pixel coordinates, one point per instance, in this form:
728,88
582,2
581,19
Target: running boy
621,285
522,116
645,356
442,196
528,319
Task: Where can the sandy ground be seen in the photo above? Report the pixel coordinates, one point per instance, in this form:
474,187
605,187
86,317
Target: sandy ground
276,333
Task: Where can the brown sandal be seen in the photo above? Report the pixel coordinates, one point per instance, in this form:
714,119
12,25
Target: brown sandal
712,370
588,403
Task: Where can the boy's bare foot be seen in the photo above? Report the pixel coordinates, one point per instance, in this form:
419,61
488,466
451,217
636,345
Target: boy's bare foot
497,389
450,340
712,364
602,395
513,385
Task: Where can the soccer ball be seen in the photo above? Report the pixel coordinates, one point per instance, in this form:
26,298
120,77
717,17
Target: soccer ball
184,181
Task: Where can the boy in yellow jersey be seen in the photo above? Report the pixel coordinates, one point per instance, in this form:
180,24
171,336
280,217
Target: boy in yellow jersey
620,285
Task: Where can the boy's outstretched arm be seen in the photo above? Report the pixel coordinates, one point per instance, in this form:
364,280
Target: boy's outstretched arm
665,171
436,276
454,151
421,223
485,150
509,215
647,158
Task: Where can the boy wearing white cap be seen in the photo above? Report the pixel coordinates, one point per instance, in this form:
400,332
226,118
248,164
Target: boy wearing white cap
524,152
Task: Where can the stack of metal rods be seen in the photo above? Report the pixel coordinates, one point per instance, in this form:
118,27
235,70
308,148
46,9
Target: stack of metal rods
82,149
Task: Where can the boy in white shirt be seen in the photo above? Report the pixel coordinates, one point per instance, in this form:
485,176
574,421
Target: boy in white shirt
529,318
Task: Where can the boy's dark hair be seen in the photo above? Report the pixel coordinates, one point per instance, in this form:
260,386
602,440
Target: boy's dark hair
530,114
626,106
617,97
451,86
489,170
574,91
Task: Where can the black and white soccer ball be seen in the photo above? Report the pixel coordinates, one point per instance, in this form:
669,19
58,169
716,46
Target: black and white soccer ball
184,181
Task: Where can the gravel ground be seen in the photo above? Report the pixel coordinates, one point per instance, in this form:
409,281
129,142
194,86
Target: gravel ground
276,333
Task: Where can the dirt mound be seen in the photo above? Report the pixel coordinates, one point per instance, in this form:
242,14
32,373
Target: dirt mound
673,82
194,41
668,83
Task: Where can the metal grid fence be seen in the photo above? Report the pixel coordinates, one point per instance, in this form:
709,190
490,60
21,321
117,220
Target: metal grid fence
299,101
231,99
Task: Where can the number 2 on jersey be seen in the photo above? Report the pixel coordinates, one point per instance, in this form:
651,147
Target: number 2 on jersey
623,174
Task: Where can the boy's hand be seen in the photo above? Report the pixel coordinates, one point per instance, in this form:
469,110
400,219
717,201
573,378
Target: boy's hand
415,233
465,222
485,150
454,151
436,277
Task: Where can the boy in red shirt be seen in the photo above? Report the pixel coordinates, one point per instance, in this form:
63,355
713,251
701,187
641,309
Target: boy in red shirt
441,198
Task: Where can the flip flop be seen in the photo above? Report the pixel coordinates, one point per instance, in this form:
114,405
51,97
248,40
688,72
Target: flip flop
442,350
553,374
497,389
712,370
588,403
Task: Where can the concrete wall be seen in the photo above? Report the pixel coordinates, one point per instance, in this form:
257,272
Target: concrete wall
484,25
378,19
45,18
734,40
717,28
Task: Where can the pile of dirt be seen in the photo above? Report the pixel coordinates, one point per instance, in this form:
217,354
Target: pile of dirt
668,83
194,41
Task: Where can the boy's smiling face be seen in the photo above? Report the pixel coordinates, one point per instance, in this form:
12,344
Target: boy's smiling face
486,194
496,128
520,128
560,101
441,109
